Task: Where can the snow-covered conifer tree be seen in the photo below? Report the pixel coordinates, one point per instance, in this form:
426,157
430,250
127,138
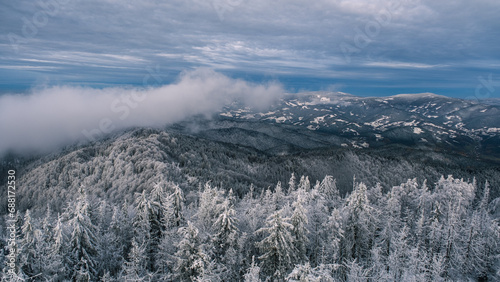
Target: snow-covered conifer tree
83,244
190,257
278,251
299,222
253,273
135,268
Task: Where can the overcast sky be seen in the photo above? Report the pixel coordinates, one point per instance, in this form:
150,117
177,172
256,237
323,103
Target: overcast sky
364,47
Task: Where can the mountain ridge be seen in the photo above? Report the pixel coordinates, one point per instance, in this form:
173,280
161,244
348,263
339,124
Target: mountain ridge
424,119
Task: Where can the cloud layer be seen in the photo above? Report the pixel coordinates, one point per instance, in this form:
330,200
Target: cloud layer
55,116
363,45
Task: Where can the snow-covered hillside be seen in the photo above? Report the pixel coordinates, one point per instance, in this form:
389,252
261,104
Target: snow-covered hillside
426,119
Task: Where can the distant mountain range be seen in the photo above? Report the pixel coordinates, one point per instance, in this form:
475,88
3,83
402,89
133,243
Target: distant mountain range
323,119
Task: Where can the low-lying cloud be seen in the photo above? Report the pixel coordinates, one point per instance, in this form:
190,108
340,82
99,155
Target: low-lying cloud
51,117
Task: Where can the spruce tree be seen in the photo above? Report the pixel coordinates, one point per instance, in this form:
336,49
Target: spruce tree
135,268
191,259
299,231
83,244
28,246
278,251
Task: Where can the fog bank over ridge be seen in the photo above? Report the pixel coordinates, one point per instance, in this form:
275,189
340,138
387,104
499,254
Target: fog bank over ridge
61,115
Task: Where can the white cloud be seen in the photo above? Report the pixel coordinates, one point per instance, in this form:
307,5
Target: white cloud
25,67
402,65
55,116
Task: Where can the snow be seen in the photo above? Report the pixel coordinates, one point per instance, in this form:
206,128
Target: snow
269,113
248,116
412,123
228,114
350,130
433,125
312,127
417,130
495,130
246,110
360,145
341,120
318,120
379,122
281,119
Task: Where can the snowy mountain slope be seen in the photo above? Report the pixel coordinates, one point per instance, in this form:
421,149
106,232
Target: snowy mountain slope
425,120
125,163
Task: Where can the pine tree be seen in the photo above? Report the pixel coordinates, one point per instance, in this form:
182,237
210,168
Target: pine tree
28,246
356,272
147,226
174,207
56,252
50,263
301,273
291,183
277,247
209,207
359,224
299,231
84,244
225,247
135,269
142,223
482,240
268,203
304,183
398,258
335,235
378,265
190,257
278,196
317,214
305,273
225,231
111,256
253,273
158,200
328,188
107,277
58,240
437,268
417,269
47,224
